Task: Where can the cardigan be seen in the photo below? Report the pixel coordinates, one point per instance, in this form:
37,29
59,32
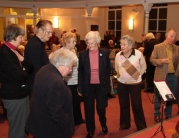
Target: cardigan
13,76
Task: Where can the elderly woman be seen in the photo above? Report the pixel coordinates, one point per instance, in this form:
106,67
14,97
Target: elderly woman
14,70
51,114
94,81
69,42
130,65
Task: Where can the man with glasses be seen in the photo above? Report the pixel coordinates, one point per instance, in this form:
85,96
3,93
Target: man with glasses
35,48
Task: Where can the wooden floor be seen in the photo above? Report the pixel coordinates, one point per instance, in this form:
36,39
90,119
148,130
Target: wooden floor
112,113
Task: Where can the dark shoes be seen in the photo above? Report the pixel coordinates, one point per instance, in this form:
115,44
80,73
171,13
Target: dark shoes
111,96
167,117
105,130
82,121
157,119
90,135
123,128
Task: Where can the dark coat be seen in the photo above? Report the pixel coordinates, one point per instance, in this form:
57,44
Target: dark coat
36,54
51,114
13,75
149,46
84,72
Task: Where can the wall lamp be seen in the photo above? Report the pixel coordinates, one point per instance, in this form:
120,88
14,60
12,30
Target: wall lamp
55,22
131,24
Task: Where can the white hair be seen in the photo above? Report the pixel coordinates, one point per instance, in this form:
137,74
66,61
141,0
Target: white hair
63,57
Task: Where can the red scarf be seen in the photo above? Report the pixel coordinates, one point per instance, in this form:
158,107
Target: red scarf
11,46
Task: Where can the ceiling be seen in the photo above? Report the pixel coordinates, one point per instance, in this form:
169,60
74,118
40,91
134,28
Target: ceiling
75,3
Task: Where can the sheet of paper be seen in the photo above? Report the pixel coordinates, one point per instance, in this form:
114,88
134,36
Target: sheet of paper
163,89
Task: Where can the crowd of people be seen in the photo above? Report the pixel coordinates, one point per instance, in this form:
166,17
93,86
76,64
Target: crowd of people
42,94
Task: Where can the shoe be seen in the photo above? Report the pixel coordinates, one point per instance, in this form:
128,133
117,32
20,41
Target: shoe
167,117
157,119
90,135
105,130
111,96
123,128
83,121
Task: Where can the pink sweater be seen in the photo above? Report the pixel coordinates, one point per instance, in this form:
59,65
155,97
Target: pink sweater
94,63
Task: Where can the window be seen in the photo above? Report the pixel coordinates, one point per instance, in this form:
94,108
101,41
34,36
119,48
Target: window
158,19
114,21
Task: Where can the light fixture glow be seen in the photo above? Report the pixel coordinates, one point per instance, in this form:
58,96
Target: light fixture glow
131,24
55,22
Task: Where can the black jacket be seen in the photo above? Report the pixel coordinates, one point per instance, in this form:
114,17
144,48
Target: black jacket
51,114
35,53
84,72
13,76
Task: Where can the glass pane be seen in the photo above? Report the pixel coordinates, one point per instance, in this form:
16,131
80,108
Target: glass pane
118,14
152,24
118,25
111,25
163,13
153,14
118,35
162,25
111,15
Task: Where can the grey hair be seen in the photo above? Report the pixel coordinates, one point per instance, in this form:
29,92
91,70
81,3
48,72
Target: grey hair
129,39
170,29
150,36
42,24
93,35
12,31
63,57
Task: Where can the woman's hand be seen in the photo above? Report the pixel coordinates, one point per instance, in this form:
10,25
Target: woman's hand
80,94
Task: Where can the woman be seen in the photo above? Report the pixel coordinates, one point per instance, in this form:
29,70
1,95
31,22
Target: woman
130,65
14,70
69,42
94,81
51,114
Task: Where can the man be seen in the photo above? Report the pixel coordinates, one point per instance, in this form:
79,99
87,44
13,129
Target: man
51,114
35,48
77,38
158,37
53,40
164,58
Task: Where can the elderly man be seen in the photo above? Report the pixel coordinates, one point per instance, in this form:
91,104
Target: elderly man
164,58
51,114
35,48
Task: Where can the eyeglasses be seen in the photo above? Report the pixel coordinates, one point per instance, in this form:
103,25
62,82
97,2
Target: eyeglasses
91,44
48,32
70,67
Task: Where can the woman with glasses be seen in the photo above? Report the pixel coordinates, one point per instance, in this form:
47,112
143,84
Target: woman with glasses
130,65
94,81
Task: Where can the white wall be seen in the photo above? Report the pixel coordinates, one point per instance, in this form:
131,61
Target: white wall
173,18
77,18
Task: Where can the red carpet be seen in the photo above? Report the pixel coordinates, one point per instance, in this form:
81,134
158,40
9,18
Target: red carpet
112,113
156,131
